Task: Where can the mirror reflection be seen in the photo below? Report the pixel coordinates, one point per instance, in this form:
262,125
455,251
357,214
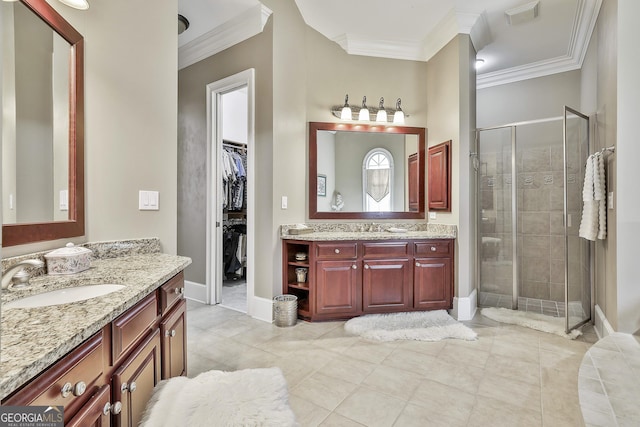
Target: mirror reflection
36,118
366,171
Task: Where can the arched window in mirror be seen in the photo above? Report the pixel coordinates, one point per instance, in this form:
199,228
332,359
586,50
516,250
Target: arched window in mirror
377,177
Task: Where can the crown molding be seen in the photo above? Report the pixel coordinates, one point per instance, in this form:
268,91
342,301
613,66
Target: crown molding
232,32
584,24
392,49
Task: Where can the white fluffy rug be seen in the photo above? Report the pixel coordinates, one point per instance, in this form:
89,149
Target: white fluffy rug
416,325
537,321
250,397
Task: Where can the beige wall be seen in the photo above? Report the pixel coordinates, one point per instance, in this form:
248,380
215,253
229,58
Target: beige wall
130,119
627,171
192,144
451,116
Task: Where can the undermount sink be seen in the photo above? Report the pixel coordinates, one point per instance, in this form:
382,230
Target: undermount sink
64,296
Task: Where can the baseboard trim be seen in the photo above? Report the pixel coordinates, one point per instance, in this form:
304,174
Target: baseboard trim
195,291
602,326
262,309
464,308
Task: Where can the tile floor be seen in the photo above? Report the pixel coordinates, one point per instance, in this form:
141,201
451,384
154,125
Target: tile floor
234,295
549,308
510,376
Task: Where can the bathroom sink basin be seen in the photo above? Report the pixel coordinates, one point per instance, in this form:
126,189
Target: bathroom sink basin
64,296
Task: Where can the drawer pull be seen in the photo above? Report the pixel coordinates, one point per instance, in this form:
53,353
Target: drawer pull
417,264
66,390
178,291
366,266
355,267
337,251
106,409
171,333
433,249
115,409
130,387
79,388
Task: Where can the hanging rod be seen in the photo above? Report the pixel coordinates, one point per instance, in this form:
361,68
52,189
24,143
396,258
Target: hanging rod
612,149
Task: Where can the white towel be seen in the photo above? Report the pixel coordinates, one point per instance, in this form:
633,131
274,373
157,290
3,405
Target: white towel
600,194
594,213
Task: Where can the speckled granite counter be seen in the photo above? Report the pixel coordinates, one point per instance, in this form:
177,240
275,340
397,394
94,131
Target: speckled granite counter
355,231
32,339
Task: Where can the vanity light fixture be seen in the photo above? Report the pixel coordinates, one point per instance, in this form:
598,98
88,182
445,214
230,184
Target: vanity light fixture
345,113
76,4
364,115
381,116
398,116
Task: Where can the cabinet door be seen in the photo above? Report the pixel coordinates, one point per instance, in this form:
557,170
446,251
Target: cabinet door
96,412
432,283
337,288
134,380
439,177
386,285
174,342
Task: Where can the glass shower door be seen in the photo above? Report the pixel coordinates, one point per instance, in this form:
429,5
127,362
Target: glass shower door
496,212
578,283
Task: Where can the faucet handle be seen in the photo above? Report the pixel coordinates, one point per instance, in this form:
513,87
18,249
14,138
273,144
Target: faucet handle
20,279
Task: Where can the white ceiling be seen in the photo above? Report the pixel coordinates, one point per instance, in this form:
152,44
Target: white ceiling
555,41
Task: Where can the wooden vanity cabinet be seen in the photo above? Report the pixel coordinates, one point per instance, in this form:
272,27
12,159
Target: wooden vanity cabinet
386,277
96,412
350,278
120,365
173,332
134,380
433,270
70,382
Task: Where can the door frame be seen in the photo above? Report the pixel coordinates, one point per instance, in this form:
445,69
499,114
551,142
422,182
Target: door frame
214,216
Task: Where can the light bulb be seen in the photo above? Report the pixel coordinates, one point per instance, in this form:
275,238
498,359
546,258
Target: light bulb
76,4
364,111
382,113
346,110
398,116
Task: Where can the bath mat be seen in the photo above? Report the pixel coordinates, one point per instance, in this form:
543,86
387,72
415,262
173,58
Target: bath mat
418,325
250,397
537,321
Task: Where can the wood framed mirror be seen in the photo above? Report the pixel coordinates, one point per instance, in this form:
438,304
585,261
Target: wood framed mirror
361,171
48,126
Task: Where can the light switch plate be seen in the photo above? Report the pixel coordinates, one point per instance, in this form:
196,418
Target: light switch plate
148,200
285,202
64,200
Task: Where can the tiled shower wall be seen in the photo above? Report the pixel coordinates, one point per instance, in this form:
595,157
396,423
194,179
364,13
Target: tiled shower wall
540,203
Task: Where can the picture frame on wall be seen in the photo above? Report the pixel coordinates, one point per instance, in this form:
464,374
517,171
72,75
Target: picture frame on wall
322,185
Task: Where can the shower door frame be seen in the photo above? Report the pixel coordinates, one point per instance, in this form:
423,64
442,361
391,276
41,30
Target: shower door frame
514,210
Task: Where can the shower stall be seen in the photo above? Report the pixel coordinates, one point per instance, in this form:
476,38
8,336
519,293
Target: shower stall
530,178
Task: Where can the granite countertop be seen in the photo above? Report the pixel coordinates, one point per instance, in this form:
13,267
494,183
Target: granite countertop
34,338
353,231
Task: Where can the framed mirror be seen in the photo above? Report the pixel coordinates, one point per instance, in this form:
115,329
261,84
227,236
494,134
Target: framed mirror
366,171
43,125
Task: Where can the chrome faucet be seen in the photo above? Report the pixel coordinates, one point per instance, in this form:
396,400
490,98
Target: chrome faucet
15,275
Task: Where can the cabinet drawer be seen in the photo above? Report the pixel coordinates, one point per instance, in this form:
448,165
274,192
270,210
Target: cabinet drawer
129,328
434,248
69,383
386,249
336,250
171,292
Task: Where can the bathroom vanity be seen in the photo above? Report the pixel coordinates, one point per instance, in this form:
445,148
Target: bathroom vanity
353,273
99,358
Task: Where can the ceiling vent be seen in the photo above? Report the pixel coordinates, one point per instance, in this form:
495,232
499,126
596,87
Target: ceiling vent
525,13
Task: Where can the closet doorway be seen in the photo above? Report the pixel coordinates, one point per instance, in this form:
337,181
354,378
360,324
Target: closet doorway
230,217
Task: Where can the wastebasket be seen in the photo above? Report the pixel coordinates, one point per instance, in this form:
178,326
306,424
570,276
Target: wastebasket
285,310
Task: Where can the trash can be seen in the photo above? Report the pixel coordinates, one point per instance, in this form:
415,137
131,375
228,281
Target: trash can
285,310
